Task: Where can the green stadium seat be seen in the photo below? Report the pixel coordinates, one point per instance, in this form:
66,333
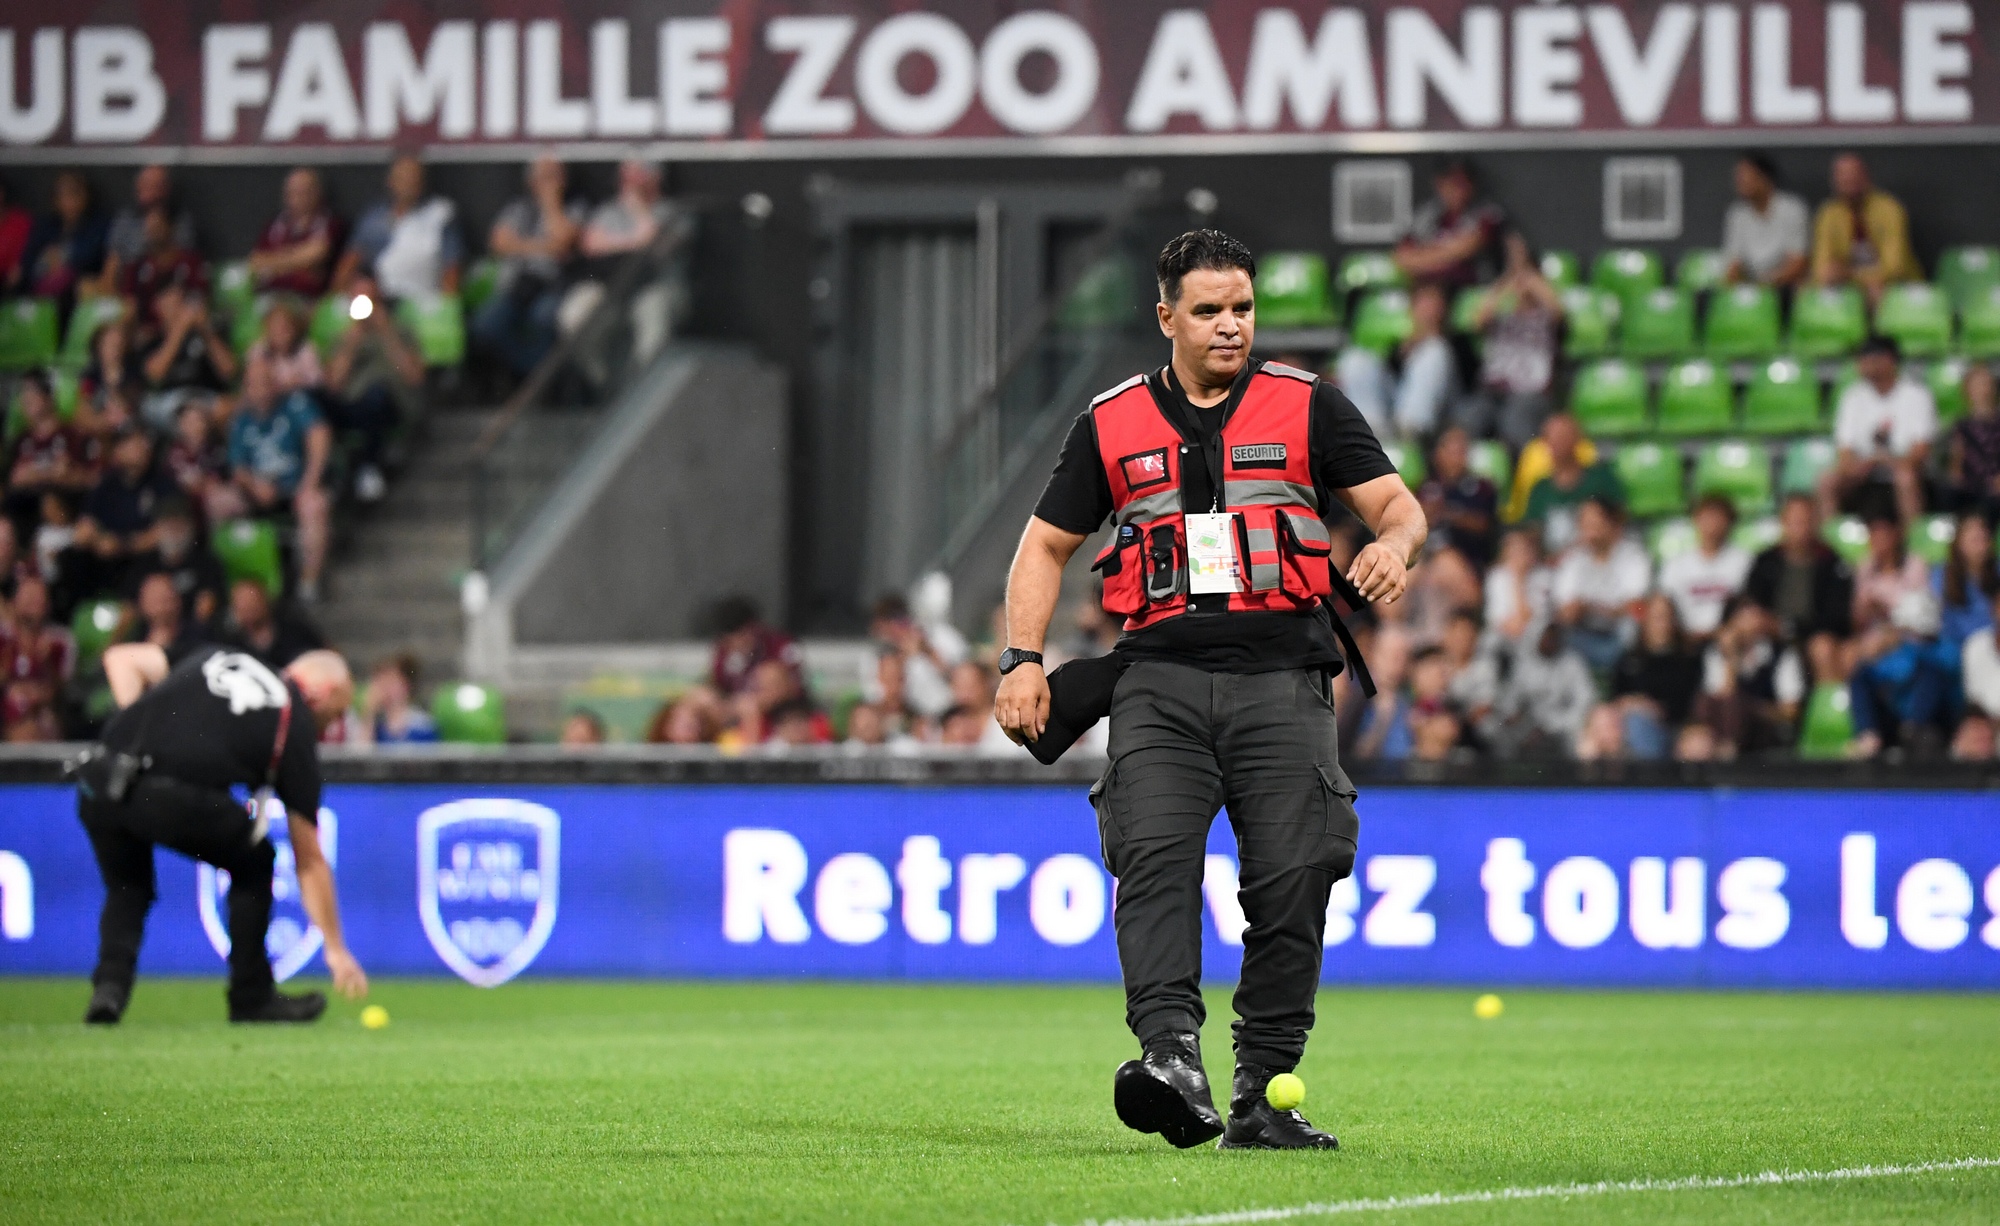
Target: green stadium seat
1930,538
246,323
1782,398
329,320
1670,538
439,328
1103,297
248,549
1804,461
1382,320
469,714
89,315
95,627
1828,322
1946,379
1754,536
1979,326
1737,469
1590,321
1292,291
1465,309
1918,316
1609,399
1409,461
1695,398
1651,475
1658,324
1369,270
1828,724
1967,274
479,282
1489,458
1742,323
1848,537
235,288
63,386
27,333
1561,268
1700,270
1629,272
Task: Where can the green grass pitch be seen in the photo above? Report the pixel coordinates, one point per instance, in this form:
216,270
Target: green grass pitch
577,1102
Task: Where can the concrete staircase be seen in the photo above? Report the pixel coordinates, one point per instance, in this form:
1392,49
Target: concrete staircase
392,584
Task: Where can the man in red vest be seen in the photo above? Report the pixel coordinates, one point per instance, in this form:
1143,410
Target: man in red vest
1216,473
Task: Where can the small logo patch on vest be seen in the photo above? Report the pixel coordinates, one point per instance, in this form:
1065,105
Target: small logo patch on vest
1144,469
1258,455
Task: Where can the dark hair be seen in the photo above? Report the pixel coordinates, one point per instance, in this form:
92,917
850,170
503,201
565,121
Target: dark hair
890,608
1957,580
791,708
39,380
1762,162
1196,250
1878,343
1469,613
732,613
1719,502
403,662
1607,504
174,506
1456,168
1431,652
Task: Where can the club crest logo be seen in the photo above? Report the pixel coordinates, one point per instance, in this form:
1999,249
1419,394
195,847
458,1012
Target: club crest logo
292,939
487,873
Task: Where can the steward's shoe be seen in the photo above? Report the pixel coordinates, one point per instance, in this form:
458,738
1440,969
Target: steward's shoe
107,1004
1255,1124
1166,1091
279,1007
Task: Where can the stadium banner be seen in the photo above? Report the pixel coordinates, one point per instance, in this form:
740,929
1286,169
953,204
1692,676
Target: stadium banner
1453,885
747,78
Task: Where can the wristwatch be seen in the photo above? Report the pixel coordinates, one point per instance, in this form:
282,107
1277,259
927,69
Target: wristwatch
1014,657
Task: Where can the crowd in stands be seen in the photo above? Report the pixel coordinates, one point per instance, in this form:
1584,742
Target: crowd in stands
178,424
1631,559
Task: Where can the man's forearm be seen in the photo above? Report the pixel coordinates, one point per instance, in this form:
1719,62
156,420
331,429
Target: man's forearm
1403,529
1034,584
322,904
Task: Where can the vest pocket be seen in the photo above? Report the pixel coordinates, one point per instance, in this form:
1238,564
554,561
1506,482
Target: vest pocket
1119,564
1166,564
1306,547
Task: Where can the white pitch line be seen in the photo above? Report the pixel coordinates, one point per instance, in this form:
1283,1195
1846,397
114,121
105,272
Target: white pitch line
1692,1183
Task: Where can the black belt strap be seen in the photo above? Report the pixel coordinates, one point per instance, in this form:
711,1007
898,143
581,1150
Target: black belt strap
1356,601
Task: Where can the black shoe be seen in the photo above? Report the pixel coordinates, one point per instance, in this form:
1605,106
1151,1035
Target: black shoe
279,1007
1166,1091
1255,1124
107,1004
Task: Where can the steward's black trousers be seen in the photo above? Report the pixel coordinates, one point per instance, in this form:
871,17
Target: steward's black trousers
1183,743
205,824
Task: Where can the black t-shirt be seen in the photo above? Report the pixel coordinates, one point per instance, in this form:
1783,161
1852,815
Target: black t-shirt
212,723
1345,453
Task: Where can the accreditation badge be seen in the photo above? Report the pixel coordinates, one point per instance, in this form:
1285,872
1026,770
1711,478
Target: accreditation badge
1212,562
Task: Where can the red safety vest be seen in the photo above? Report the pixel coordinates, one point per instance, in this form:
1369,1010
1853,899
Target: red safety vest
1281,543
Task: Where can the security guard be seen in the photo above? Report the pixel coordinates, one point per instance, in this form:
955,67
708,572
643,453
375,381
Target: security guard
1216,472
161,776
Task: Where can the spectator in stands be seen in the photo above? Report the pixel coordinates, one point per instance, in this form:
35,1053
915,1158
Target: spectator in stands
54,535
295,253
1701,581
163,261
1967,582
36,659
1518,589
374,379
389,712
199,463
1453,238
535,238
409,244
1883,427
927,661
1404,394
181,555
744,642
1435,728
1384,733
191,364
1600,585
14,565
1888,572
66,246
1545,701
128,239
866,728
582,730
1764,233
1862,234
274,635
1535,462
622,225
1975,448
1905,683
1472,670
16,224
695,718
1518,320
1751,684
774,690
1653,687
163,620
278,449
113,363
48,457
888,692
1804,584
117,529
1980,673
1571,481
1462,506
282,349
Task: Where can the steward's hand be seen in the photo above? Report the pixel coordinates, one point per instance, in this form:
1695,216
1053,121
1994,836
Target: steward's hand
348,977
1378,573
1022,705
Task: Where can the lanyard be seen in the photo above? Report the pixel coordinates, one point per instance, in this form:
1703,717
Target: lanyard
259,810
1210,448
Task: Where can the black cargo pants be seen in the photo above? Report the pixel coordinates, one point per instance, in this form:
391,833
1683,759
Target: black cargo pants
1185,742
206,824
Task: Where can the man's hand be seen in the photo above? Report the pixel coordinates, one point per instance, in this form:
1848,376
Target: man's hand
348,978
1378,573
1022,705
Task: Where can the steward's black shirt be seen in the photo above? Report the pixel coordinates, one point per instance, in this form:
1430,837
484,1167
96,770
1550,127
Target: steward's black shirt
212,723
1345,453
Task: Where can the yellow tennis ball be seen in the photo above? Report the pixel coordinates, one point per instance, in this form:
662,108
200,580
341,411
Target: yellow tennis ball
374,1017
1285,1091
1487,1007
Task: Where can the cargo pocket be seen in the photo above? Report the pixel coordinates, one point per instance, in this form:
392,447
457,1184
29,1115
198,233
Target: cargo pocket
1110,832
1337,841
1166,564
1307,546
1124,576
